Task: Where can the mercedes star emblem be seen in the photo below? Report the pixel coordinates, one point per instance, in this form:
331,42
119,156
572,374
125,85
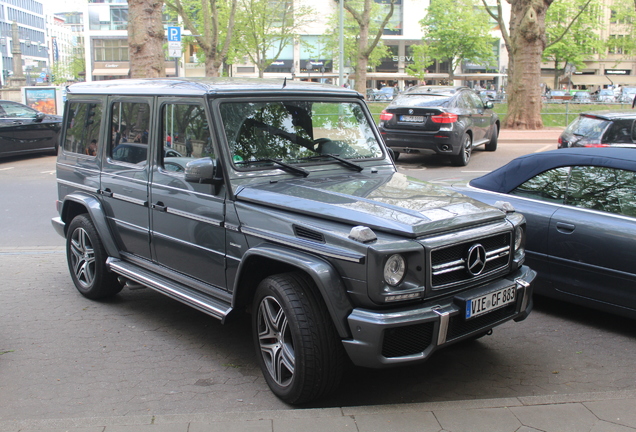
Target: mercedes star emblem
476,259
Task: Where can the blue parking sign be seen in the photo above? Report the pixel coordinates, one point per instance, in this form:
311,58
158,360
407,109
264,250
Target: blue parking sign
174,34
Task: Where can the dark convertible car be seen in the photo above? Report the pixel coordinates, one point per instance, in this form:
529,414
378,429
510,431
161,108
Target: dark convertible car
449,121
24,130
580,206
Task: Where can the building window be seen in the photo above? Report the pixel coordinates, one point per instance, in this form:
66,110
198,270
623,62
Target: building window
110,49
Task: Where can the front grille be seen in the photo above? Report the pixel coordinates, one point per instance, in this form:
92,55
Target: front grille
449,264
458,326
407,340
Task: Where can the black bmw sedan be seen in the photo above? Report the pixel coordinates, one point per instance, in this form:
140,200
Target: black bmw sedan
449,121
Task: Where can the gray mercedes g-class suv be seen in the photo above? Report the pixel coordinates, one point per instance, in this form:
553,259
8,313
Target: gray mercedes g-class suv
279,196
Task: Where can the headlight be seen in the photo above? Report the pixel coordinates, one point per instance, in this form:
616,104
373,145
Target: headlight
520,238
394,270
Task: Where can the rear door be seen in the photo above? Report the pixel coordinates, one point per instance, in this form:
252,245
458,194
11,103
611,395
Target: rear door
188,233
593,238
124,177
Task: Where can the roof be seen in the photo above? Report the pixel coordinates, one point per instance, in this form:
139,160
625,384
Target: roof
518,170
611,115
204,86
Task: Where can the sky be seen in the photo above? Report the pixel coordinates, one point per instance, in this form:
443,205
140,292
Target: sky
56,6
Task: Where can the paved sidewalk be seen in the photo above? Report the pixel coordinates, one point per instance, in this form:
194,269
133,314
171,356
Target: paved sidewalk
594,412
547,135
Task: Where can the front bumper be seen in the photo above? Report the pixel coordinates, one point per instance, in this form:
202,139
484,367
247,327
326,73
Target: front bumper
59,226
411,335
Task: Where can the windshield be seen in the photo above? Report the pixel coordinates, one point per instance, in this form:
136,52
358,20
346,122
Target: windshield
422,100
294,132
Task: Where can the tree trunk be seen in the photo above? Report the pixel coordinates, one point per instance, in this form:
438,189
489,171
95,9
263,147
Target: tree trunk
527,33
145,39
211,67
360,75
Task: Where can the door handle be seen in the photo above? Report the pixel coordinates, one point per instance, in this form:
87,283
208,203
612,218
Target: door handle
565,228
159,206
107,193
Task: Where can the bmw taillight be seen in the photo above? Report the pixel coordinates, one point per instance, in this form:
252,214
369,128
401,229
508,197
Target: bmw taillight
444,118
385,116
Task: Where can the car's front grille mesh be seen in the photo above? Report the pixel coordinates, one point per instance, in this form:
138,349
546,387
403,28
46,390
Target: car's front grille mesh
407,340
449,264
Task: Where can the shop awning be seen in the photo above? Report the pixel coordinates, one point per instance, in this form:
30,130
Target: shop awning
622,79
590,80
111,72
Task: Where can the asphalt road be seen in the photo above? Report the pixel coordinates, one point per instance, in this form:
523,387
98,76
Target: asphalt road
64,356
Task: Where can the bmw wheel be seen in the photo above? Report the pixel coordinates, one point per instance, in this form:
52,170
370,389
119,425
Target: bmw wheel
465,152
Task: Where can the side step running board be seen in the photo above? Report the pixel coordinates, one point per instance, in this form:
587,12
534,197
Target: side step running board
209,305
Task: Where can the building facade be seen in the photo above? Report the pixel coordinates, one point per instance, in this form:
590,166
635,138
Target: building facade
31,33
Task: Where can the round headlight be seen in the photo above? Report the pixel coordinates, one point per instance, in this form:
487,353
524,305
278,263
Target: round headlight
520,233
394,270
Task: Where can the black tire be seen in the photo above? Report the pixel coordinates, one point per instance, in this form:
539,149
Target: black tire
492,144
465,151
297,346
86,259
396,155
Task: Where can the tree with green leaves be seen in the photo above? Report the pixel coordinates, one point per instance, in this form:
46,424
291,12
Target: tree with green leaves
211,23
145,38
421,61
372,51
370,20
266,27
457,31
575,45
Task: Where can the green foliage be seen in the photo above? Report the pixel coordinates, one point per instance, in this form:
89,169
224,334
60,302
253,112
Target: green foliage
571,33
421,60
352,35
266,27
457,31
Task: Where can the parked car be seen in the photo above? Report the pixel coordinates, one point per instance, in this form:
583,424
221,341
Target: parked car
606,96
581,211
600,129
627,94
558,96
292,209
449,121
582,96
24,130
488,95
384,94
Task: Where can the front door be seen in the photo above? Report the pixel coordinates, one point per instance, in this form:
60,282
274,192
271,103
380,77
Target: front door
187,218
125,173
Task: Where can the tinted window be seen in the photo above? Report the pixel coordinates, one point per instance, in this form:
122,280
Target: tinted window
549,186
474,100
186,133
620,131
416,100
83,120
605,189
129,132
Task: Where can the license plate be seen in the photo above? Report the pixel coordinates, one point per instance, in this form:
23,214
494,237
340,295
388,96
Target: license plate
414,119
489,302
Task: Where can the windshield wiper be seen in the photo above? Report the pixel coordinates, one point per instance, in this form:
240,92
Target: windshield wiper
287,167
345,162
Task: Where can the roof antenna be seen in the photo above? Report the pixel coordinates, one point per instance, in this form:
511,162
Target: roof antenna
285,82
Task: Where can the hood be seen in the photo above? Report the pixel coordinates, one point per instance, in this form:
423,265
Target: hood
385,202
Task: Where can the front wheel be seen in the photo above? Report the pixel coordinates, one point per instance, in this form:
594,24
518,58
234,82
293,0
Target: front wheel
492,144
465,152
86,258
297,346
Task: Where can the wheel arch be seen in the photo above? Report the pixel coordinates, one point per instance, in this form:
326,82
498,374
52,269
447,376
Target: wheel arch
266,260
79,203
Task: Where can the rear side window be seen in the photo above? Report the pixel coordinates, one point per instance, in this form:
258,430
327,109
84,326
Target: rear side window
548,186
605,189
83,120
417,100
590,127
129,126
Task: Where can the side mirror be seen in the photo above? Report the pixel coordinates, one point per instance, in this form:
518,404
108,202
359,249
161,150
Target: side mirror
489,105
39,117
204,170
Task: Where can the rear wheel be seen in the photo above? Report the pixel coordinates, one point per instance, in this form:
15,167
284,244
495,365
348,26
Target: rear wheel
86,258
492,145
297,346
465,152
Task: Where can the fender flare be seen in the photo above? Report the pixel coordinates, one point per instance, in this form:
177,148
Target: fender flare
323,274
96,212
